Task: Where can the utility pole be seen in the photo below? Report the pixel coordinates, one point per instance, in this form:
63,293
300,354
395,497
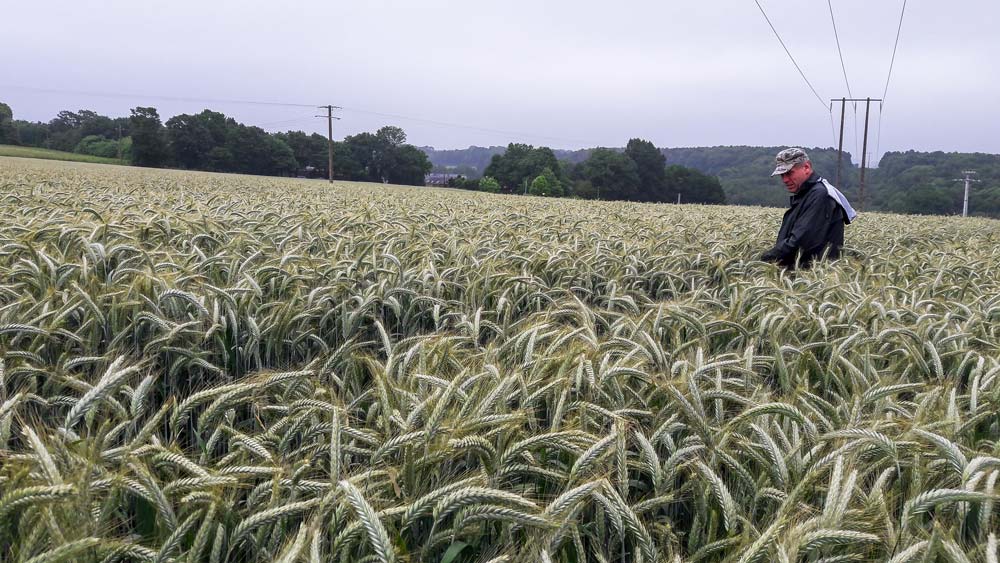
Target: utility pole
864,157
864,150
119,142
840,147
329,136
968,179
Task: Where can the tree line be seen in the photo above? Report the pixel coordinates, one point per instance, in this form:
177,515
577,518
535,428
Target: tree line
903,182
215,142
639,173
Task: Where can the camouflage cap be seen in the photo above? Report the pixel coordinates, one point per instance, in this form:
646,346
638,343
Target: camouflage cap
787,159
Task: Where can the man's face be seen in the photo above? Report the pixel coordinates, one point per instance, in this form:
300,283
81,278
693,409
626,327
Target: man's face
794,178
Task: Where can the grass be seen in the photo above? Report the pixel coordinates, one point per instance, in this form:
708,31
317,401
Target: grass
203,368
48,154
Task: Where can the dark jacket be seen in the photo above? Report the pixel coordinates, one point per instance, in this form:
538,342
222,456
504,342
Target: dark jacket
812,226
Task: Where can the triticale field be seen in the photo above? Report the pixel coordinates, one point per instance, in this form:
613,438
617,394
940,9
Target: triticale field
209,368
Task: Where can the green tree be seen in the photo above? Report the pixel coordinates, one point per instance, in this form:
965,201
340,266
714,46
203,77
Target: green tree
310,151
519,164
927,199
651,167
64,131
93,123
409,167
583,189
218,125
254,151
464,183
69,127
8,133
189,140
149,143
219,159
392,136
920,190
345,166
365,149
489,184
384,156
97,145
613,175
546,184
539,186
693,186
31,133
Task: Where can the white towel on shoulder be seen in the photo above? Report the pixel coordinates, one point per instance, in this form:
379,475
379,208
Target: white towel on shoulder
841,199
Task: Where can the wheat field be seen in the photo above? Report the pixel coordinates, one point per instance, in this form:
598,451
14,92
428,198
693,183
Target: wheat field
208,368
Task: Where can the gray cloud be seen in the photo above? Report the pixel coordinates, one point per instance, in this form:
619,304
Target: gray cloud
560,73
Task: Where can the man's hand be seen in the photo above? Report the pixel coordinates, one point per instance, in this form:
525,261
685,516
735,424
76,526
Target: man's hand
770,256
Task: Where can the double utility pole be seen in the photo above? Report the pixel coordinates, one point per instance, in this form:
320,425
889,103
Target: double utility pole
864,149
329,136
968,179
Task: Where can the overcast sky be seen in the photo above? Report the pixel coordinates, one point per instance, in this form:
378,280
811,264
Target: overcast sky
565,74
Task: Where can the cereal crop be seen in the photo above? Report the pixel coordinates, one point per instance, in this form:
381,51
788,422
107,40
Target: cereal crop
208,368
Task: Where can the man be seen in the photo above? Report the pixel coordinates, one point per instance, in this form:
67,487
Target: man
813,226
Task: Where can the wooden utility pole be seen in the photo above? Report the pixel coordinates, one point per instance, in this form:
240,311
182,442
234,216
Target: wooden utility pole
329,136
864,157
864,149
840,147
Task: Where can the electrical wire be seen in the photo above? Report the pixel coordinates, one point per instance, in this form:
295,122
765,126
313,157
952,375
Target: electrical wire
156,97
223,101
894,46
802,74
833,128
843,68
892,61
284,121
836,36
470,127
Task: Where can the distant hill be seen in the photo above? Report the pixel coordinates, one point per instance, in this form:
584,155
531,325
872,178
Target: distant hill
473,160
906,182
743,171
925,183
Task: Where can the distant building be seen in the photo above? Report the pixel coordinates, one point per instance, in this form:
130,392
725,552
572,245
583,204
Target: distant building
440,178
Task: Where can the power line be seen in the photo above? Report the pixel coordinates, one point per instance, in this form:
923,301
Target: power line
134,96
836,36
802,74
833,128
470,127
156,97
896,44
899,28
283,121
843,68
